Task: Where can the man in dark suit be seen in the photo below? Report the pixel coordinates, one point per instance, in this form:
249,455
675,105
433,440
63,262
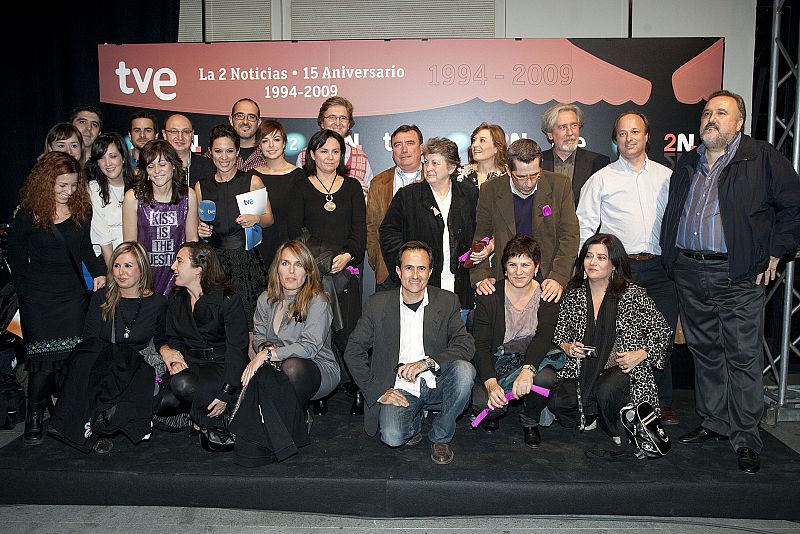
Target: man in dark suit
420,357
535,203
733,211
179,132
562,124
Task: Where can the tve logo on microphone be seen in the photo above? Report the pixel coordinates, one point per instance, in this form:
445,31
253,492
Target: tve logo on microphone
161,79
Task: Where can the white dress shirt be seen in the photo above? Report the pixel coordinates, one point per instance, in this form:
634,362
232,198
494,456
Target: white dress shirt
627,203
412,348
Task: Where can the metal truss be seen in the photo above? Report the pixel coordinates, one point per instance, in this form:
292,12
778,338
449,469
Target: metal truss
783,400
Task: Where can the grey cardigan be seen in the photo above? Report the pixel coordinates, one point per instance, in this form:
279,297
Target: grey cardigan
310,339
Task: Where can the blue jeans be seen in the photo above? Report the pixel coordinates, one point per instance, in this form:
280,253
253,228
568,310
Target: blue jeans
453,386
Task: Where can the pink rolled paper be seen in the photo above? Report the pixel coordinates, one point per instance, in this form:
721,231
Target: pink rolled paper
544,392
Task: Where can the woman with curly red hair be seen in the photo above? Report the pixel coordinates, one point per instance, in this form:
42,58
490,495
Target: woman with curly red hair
47,242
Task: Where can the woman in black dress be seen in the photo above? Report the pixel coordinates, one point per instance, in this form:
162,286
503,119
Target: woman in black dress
279,177
226,232
129,313
47,242
327,209
206,349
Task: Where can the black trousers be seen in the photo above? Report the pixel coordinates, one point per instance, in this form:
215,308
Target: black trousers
661,288
611,393
533,403
723,323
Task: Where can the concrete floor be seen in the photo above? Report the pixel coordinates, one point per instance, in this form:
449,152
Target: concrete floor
148,519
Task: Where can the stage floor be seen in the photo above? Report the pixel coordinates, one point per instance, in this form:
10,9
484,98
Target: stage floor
345,472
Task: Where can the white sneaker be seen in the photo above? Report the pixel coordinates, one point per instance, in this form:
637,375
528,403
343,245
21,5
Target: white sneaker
617,440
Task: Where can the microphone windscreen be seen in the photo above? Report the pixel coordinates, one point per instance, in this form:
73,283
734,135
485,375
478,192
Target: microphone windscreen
208,210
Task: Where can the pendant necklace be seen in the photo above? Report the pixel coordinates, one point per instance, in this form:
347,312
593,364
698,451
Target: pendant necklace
127,331
329,205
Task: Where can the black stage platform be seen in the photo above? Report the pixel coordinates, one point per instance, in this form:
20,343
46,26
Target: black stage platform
345,472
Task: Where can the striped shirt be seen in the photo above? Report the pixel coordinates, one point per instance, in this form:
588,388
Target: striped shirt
700,227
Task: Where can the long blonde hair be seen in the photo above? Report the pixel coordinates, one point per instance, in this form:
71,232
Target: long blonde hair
311,287
145,285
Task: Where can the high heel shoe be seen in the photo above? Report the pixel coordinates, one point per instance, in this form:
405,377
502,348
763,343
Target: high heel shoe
358,404
319,407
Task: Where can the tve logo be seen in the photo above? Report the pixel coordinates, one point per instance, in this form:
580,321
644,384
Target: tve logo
162,78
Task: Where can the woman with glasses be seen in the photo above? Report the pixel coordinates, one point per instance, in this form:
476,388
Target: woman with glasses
439,211
336,114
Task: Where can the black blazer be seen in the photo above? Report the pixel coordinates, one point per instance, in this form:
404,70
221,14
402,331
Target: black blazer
586,164
411,216
444,336
489,328
759,204
219,323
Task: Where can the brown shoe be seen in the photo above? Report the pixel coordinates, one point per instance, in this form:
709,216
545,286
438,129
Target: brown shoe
441,453
668,415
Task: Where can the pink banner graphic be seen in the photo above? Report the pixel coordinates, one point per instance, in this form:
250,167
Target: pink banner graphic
290,79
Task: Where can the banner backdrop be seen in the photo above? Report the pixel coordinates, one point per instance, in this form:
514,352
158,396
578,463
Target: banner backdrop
446,87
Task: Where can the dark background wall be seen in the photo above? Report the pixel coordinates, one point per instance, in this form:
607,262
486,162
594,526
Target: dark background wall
54,67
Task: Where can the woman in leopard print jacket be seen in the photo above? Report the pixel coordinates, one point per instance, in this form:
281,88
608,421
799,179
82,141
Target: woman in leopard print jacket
602,308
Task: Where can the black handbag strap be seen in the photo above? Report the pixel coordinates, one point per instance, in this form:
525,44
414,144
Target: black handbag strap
72,260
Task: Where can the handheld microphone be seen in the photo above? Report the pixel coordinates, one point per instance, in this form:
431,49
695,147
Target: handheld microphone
207,210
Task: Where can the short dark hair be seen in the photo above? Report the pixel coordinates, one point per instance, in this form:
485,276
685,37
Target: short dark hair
414,245
316,141
407,128
739,103
223,130
143,114
233,109
524,151
85,107
269,126
443,147
336,101
522,245
619,260
638,114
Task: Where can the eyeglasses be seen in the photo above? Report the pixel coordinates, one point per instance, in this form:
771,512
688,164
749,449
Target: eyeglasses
336,118
175,131
251,117
527,178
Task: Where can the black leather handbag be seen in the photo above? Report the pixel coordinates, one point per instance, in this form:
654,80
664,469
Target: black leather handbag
644,427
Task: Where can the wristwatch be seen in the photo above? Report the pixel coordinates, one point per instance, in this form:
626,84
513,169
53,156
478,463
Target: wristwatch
530,368
430,365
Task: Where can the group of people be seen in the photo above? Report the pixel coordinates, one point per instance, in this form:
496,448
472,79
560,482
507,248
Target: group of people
525,268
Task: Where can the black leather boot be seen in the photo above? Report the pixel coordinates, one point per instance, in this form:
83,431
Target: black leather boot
34,427
358,404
